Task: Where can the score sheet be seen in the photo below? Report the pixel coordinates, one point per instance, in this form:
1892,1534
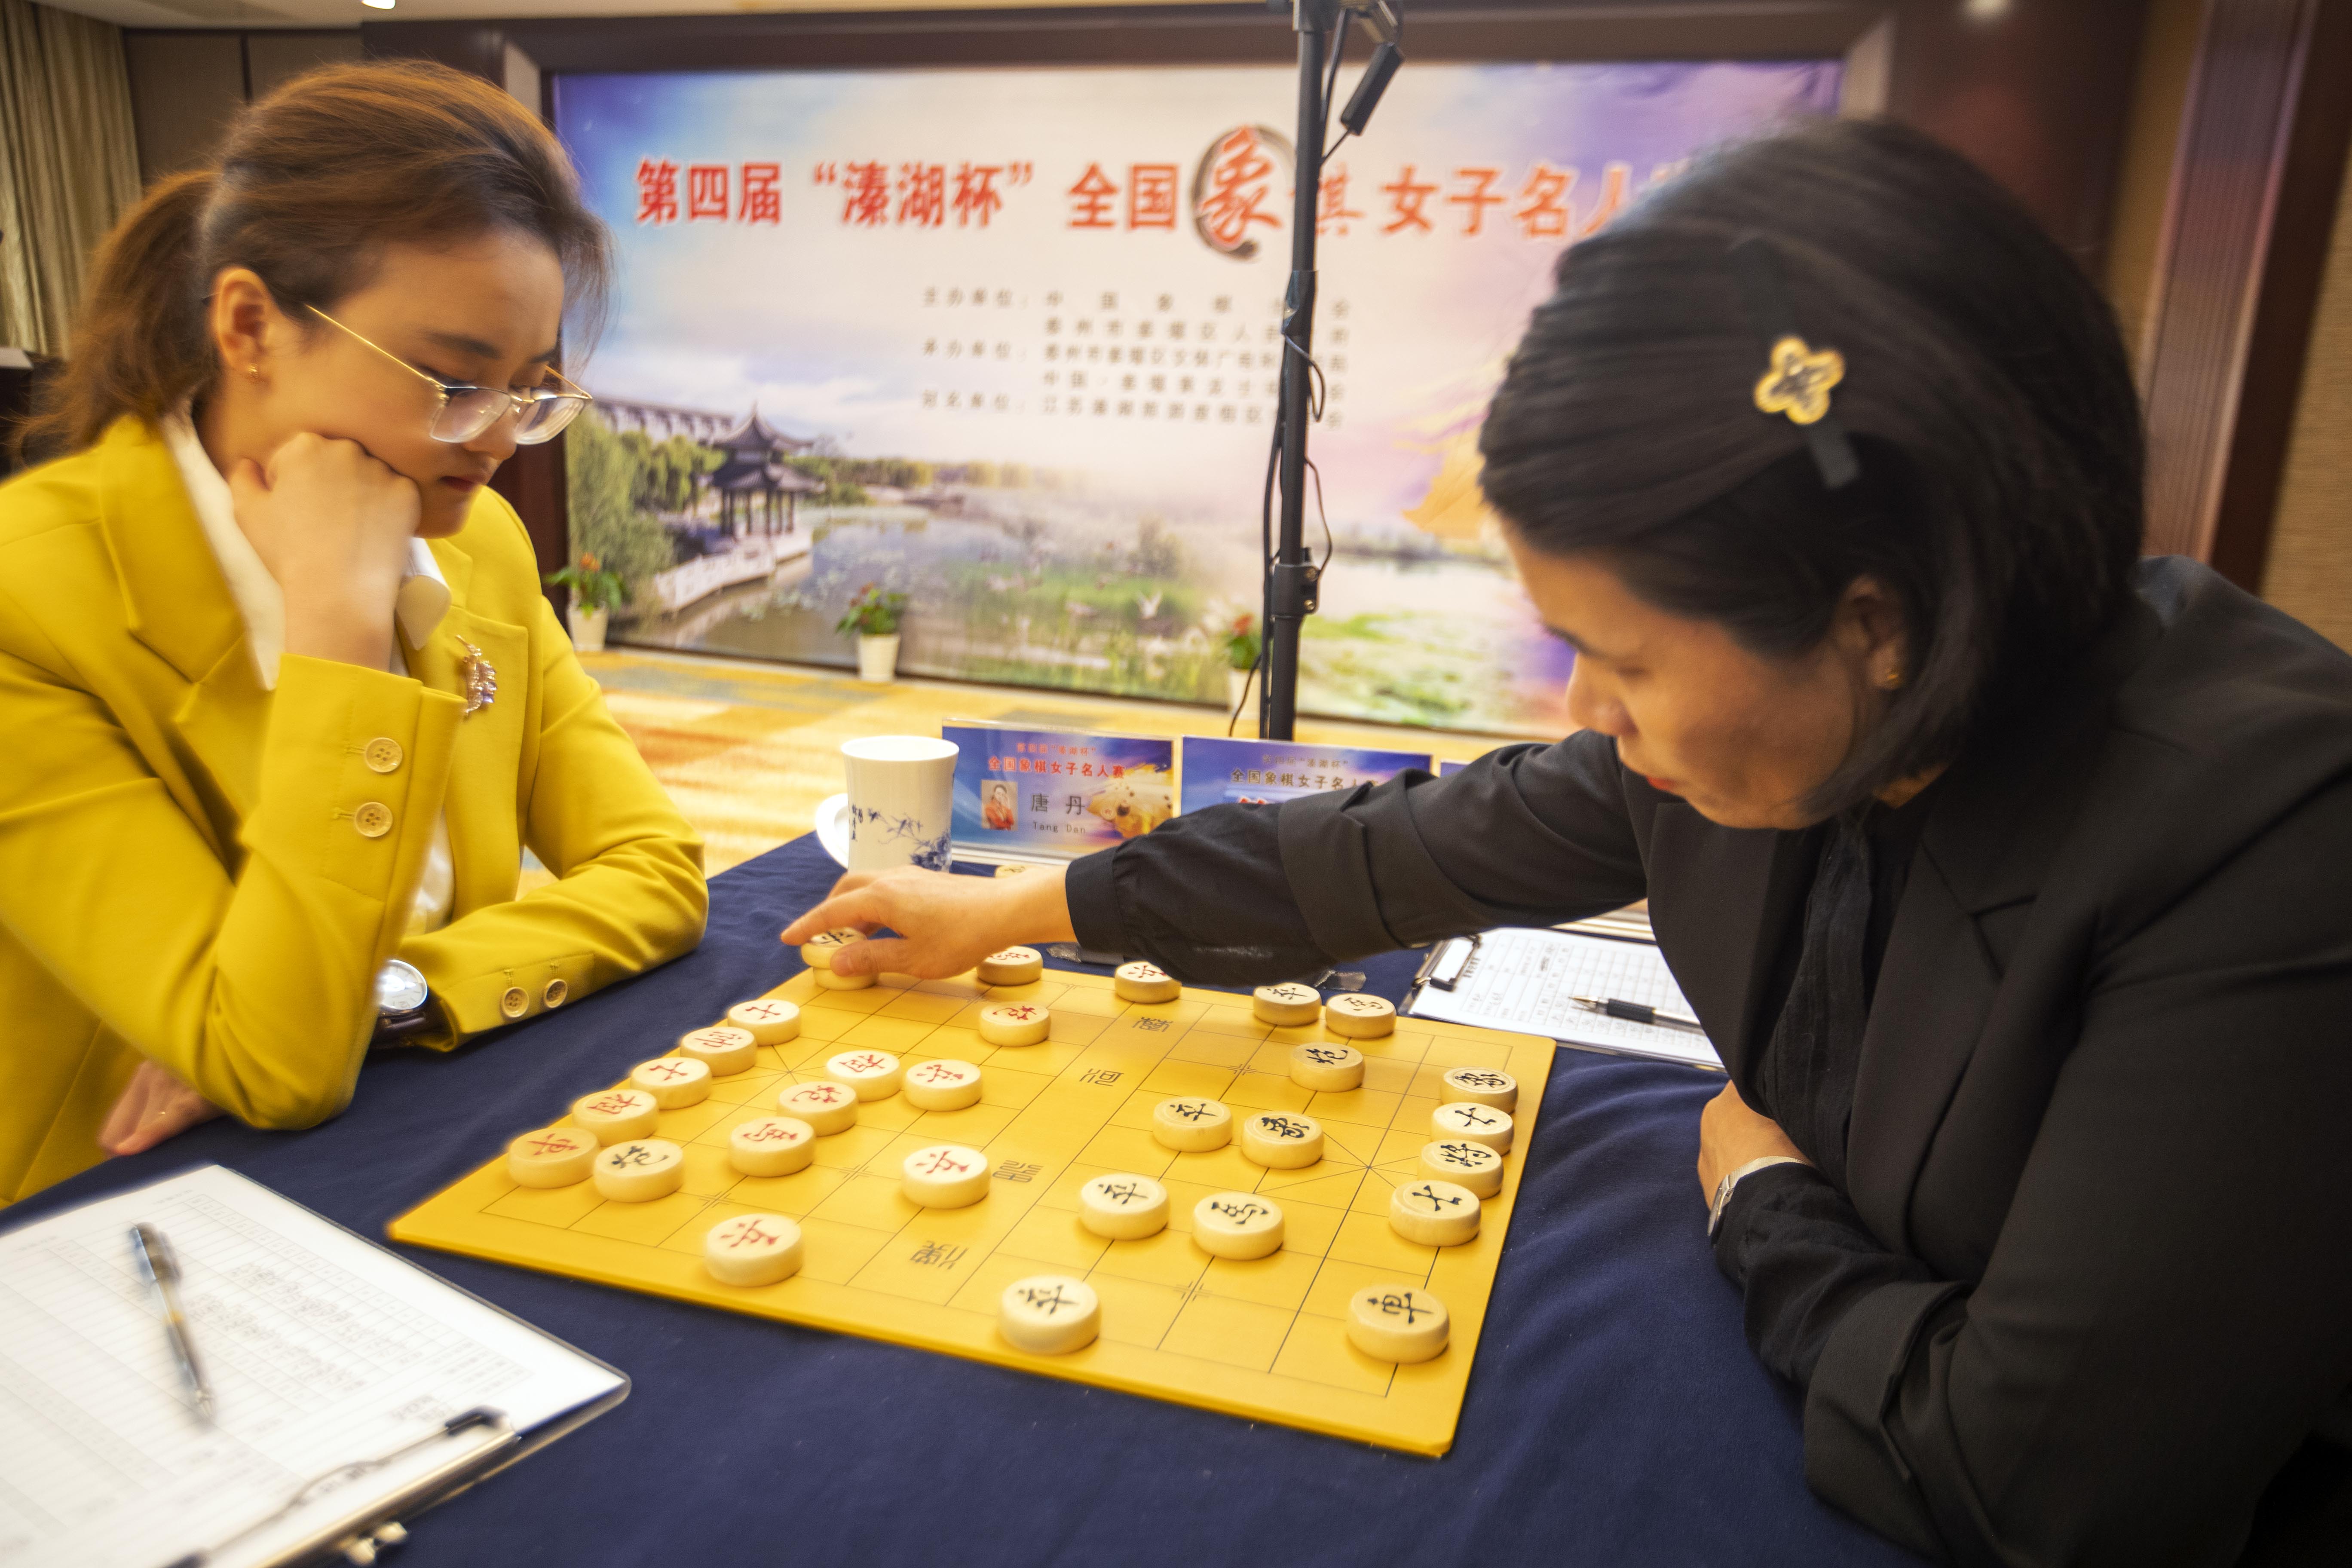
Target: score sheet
1524,978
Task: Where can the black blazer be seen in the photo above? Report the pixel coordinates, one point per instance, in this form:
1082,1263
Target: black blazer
2103,1088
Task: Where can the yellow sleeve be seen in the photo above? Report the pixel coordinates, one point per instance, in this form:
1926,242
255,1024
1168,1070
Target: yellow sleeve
630,892
256,988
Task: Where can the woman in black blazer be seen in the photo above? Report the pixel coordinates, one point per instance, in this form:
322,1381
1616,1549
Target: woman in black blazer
2011,875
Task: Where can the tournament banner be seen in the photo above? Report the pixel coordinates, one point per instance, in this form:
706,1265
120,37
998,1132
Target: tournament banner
1055,794
1006,342
1219,771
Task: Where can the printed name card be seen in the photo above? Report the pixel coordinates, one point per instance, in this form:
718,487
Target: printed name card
1058,793
1219,772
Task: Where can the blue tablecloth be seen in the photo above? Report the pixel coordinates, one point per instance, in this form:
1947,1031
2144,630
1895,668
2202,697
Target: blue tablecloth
1615,1419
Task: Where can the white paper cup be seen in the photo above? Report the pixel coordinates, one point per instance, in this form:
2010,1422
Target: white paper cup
898,807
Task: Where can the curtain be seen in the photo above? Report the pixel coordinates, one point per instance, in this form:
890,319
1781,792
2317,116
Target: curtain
68,166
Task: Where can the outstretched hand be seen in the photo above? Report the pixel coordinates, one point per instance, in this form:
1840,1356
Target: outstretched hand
946,923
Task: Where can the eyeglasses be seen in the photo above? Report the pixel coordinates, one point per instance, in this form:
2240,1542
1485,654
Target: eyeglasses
464,412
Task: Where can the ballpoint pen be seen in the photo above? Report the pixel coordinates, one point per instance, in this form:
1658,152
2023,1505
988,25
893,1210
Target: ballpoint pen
161,1270
1637,1012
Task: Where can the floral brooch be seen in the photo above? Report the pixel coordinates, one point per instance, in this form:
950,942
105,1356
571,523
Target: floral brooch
481,678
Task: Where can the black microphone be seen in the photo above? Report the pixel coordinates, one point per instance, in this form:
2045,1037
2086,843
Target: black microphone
1375,81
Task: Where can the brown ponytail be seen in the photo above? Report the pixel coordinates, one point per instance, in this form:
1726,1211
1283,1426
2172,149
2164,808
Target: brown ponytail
312,181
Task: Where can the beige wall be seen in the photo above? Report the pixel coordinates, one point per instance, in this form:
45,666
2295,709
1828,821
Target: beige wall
2309,574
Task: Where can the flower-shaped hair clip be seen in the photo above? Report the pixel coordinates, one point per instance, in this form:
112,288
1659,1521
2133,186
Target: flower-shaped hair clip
1798,383
1798,376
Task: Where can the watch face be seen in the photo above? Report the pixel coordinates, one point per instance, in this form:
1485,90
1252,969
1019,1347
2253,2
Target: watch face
399,988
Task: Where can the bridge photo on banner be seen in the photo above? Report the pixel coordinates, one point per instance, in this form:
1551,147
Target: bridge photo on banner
1006,342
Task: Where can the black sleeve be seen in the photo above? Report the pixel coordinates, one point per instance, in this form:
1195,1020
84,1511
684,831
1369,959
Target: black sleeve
1800,1256
2167,1312
1528,835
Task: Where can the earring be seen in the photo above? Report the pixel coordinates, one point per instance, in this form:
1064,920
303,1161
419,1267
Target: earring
1891,679
254,370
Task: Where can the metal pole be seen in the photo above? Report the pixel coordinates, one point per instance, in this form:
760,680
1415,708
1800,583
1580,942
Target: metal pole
1290,584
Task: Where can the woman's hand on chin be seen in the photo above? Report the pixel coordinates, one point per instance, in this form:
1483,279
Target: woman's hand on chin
154,1106
333,524
1731,1133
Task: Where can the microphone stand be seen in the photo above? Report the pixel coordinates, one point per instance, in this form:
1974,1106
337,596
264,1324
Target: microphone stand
1292,579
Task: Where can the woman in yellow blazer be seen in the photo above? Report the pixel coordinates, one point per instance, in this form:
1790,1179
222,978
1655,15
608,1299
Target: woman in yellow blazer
279,698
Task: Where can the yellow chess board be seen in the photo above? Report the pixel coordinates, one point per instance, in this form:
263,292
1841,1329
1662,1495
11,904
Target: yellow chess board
1264,1339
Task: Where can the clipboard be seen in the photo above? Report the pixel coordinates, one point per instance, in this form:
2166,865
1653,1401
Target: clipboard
1521,979
358,1537
362,1534
407,1389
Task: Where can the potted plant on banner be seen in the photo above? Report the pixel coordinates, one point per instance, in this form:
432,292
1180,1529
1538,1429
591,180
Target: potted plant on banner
595,595
1240,642
874,615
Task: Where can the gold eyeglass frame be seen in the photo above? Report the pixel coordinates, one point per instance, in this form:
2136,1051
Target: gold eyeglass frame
518,402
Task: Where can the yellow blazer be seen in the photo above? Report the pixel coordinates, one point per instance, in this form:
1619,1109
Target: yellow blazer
208,875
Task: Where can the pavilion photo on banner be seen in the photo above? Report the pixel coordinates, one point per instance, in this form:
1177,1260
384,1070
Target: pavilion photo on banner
1007,341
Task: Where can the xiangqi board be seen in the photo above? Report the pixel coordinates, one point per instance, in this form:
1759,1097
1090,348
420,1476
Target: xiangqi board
1262,1338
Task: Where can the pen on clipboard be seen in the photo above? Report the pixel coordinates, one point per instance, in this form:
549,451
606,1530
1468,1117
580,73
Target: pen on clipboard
161,1271
1637,1012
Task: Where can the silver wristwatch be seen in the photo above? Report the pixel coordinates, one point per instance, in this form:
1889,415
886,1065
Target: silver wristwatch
1731,1179
403,1005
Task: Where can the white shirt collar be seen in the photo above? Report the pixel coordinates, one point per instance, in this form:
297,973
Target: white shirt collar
424,597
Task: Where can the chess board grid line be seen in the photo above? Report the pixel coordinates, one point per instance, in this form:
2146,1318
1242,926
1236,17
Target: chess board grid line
1194,1012
1424,1429
1331,1423
1198,1283
1388,1126
1380,1434
922,1213
1047,1266
1261,1175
